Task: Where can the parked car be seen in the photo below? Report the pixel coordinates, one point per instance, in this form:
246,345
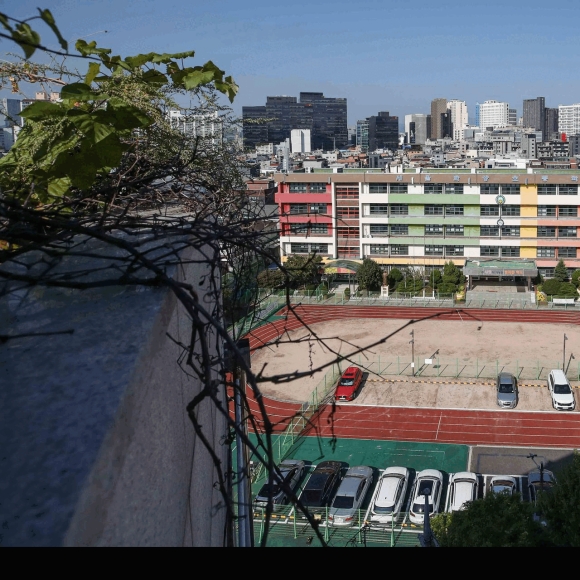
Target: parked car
463,488
507,391
350,495
430,480
503,484
321,485
562,395
292,470
536,486
387,501
349,384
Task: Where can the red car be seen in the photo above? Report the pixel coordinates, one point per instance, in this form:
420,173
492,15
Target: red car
349,384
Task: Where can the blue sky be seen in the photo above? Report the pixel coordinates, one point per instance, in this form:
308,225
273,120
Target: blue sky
382,56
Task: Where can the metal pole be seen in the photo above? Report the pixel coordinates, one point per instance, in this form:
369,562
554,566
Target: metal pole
412,341
564,355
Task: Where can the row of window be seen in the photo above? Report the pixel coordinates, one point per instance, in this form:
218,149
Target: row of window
350,191
306,229
403,209
309,248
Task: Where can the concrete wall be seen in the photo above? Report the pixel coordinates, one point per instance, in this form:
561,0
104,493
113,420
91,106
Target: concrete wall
96,446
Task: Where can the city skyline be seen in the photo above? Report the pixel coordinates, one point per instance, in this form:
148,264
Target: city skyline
397,61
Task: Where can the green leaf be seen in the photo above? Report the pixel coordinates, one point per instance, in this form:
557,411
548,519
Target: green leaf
127,116
27,38
5,22
197,78
90,48
94,69
41,109
49,19
154,77
165,57
78,92
139,60
57,187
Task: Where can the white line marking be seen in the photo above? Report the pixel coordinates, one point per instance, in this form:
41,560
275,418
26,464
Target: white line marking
438,425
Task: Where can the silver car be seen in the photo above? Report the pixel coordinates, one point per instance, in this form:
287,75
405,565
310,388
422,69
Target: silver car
507,391
429,482
503,484
350,495
292,470
389,495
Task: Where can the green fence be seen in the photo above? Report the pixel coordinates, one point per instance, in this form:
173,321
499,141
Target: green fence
288,527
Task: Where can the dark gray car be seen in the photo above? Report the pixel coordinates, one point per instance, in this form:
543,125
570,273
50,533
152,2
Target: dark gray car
507,391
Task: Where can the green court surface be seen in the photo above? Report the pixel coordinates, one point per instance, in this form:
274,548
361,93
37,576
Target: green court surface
377,454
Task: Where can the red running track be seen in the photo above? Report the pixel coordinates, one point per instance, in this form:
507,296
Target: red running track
556,429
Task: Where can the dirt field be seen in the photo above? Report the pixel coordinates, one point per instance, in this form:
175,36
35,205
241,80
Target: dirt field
468,347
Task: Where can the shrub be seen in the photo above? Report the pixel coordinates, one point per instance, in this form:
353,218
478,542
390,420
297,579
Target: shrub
567,289
347,293
551,287
576,278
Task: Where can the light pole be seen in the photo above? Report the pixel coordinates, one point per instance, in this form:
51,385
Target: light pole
564,355
412,343
533,456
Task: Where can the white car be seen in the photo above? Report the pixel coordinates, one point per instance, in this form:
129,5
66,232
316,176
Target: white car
562,395
503,484
389,495
463,488
430,481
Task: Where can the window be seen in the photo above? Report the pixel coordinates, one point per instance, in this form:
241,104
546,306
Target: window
319,248
379,230
433,230
546,272
546,232
378,188
318,188
454,250
379,249
346,191
299,248
453,210
454,230
347,212
433,250
489,251
399,209
567,232
568,190
318,208
489,231
348,251
546,211
398,188
346,232
399,250
433,188
298,208
511,210
566,252
297,188
454,188
545,252
399,230
299,229
511,231
547,189
489,210
433,210
568,211
489,188
319,229
378,209
511,189
510,252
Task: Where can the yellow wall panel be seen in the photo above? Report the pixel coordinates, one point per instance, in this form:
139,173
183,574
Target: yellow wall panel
528,210
527,252
528,232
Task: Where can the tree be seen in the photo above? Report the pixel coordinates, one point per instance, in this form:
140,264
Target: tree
369,275
551,287
303,269
567,289
271,279
394,277
497,520
576,278
561,506
452,275
561,272
435,278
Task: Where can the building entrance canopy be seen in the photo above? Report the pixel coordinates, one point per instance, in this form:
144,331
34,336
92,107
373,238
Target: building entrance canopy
500,268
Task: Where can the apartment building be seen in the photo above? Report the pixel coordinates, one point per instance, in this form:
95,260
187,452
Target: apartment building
569,119
425,218
492,114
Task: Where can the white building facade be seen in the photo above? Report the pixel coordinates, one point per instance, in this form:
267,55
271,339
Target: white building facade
569,119
493,114
300,141
459,117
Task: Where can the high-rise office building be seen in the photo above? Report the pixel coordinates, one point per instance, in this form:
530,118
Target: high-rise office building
362,134
459,117
569,119
551,127
513,117
325,117
300,140
10,110
493,114
383,132
418,128
535,113
440,119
